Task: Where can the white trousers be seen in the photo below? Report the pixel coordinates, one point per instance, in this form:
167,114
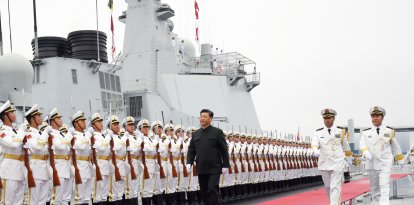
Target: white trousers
62,194
333,184
39,195
101,189
83,192
133,187
116,188
151,186
193,183
380,186
12,192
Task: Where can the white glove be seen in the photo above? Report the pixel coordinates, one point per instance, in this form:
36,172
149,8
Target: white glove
48,129
367,155
316,153
225,170
401,163
110,133
188,166
71,130
23,127
91,130
349,160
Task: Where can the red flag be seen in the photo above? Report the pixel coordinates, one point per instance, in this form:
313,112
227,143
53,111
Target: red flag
196,9
111,6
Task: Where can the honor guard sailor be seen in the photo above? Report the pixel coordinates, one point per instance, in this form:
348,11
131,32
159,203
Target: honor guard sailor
379,146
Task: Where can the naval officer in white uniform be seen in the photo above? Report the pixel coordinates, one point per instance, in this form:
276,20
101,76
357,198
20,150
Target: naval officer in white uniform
379,146
331,145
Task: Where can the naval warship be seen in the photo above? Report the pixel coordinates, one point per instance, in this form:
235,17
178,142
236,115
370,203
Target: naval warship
158,76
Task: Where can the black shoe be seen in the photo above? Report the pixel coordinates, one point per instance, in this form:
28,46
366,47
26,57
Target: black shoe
146,201
181,198
157,199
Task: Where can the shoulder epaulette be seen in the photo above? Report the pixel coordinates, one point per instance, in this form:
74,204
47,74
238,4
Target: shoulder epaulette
390,127
340,127
319,129
367,129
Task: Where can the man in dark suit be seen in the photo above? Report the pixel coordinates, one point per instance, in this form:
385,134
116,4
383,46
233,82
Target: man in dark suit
209,149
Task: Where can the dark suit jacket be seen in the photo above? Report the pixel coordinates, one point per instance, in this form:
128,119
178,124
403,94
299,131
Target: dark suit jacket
209,149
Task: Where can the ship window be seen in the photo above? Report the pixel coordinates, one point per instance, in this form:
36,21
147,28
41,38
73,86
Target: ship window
101,80
118,83
104,102
135,106
113,88
107,83
74,77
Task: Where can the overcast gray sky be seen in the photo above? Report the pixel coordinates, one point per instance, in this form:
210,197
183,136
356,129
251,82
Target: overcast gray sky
346,55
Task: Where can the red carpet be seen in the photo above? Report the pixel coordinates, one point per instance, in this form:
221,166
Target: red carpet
319,197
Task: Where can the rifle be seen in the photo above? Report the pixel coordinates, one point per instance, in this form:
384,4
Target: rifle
269,158
95,161
174,171
113,158
133,174
146,173
30,179
185,173
254,163
162,174
249,168
236,170
56,181
78,178
258,162
241,162
264,161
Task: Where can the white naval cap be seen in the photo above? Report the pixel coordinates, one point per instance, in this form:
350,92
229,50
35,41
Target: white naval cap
78,116
54,114
143,123
242,135
377,110
156,124
178,128
96,117
128,121
190,129
168,126
34,110
112,120
6,107
328,113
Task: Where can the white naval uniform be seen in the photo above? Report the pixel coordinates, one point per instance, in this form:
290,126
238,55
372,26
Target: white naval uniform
61,146
192,180
182,185
256,158
82,147
39,164
260,156
14,176
117,188
167,184
249,151
229,179
266,162
103,152
240,175
133,187
332,159
383,147
152,185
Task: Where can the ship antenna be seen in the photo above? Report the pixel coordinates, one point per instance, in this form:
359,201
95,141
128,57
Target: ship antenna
97,30
11,42
36,41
